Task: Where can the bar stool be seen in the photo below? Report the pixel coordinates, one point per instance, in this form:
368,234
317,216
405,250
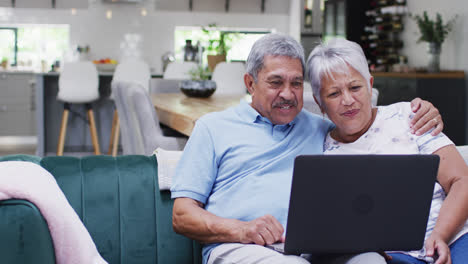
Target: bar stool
130,70
78,84
179,70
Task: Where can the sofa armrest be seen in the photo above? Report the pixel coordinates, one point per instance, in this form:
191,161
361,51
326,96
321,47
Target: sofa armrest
25,237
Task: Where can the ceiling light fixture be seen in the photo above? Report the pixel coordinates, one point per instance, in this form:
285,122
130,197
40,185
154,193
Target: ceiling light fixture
109,14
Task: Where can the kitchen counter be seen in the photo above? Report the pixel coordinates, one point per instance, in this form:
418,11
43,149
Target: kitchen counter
49,114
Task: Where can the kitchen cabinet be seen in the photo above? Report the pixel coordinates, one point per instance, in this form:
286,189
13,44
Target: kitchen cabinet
311,24
33,3
223,6
17,104
311,16
6,3
345,18
82,4
445,90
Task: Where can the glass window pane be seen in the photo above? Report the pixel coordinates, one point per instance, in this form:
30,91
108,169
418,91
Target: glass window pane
37,44
7,45
238,43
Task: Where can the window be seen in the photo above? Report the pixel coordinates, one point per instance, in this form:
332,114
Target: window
238,42
9,45
29,47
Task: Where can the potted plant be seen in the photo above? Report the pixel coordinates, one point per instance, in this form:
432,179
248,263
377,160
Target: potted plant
217,48
4,63
200,84
434,33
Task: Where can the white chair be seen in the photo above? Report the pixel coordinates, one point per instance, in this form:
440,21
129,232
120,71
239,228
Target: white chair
148,123
141,133
78,84
229,78
179,70
129,70
133,70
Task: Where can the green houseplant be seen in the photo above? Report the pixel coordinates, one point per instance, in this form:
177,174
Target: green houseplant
434,33
218,44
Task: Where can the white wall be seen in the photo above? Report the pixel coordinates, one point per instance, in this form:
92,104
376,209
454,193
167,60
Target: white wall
455,47
90,26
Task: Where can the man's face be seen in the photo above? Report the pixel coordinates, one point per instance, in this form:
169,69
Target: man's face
277,94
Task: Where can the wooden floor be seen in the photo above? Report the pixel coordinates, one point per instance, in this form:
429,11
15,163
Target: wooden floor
17,145
27,145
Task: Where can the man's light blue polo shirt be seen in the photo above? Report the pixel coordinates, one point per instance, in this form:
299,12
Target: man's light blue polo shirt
240,165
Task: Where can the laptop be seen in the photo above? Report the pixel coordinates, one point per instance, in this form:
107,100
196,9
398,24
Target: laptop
359,203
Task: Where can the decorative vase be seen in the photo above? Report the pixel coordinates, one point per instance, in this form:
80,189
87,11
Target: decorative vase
198,88
434,50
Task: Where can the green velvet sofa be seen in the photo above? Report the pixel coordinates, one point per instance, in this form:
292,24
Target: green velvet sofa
119,202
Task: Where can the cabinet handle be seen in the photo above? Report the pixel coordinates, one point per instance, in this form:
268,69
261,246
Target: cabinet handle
32,96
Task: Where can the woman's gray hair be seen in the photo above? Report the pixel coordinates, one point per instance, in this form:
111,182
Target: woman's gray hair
273,45
335,57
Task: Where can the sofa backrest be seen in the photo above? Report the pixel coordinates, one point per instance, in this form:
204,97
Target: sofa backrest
119,202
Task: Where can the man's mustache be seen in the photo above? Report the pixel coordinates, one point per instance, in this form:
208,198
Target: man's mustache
285,102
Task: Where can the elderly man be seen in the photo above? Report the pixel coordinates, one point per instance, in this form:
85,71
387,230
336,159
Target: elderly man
232,183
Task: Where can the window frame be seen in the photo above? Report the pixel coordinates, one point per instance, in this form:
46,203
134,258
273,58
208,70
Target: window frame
15,30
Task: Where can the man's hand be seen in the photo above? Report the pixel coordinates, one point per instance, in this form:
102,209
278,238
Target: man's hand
438,249
426,118
264,230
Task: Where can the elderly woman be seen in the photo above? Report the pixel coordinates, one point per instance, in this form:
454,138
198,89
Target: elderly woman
342,84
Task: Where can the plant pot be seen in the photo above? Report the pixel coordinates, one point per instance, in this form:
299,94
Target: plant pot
434,50
197,88
215,59
4,64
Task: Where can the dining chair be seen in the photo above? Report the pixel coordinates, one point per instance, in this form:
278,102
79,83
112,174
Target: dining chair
130,70
148,123
129,132
141,133
78,84
229,78
179,70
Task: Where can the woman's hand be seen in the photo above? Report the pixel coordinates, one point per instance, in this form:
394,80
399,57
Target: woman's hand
438,249
426,118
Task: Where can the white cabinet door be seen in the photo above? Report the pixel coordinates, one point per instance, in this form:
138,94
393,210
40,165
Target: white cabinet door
33,3
5,3
71,4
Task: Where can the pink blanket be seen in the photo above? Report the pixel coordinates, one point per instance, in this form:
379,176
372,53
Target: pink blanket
29,181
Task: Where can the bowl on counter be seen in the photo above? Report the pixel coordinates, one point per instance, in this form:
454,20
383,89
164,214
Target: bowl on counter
108,67
196,88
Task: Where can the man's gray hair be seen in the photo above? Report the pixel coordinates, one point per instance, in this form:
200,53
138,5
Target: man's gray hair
273,45
335,57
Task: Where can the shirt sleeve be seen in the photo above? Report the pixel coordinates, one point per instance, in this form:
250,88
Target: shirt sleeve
197,169
427,143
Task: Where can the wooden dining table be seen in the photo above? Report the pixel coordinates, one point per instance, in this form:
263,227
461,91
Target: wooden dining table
180,112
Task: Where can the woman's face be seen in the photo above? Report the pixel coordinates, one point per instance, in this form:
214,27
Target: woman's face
346,99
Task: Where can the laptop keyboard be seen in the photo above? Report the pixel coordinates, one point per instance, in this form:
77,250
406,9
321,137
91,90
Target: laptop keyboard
279,247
